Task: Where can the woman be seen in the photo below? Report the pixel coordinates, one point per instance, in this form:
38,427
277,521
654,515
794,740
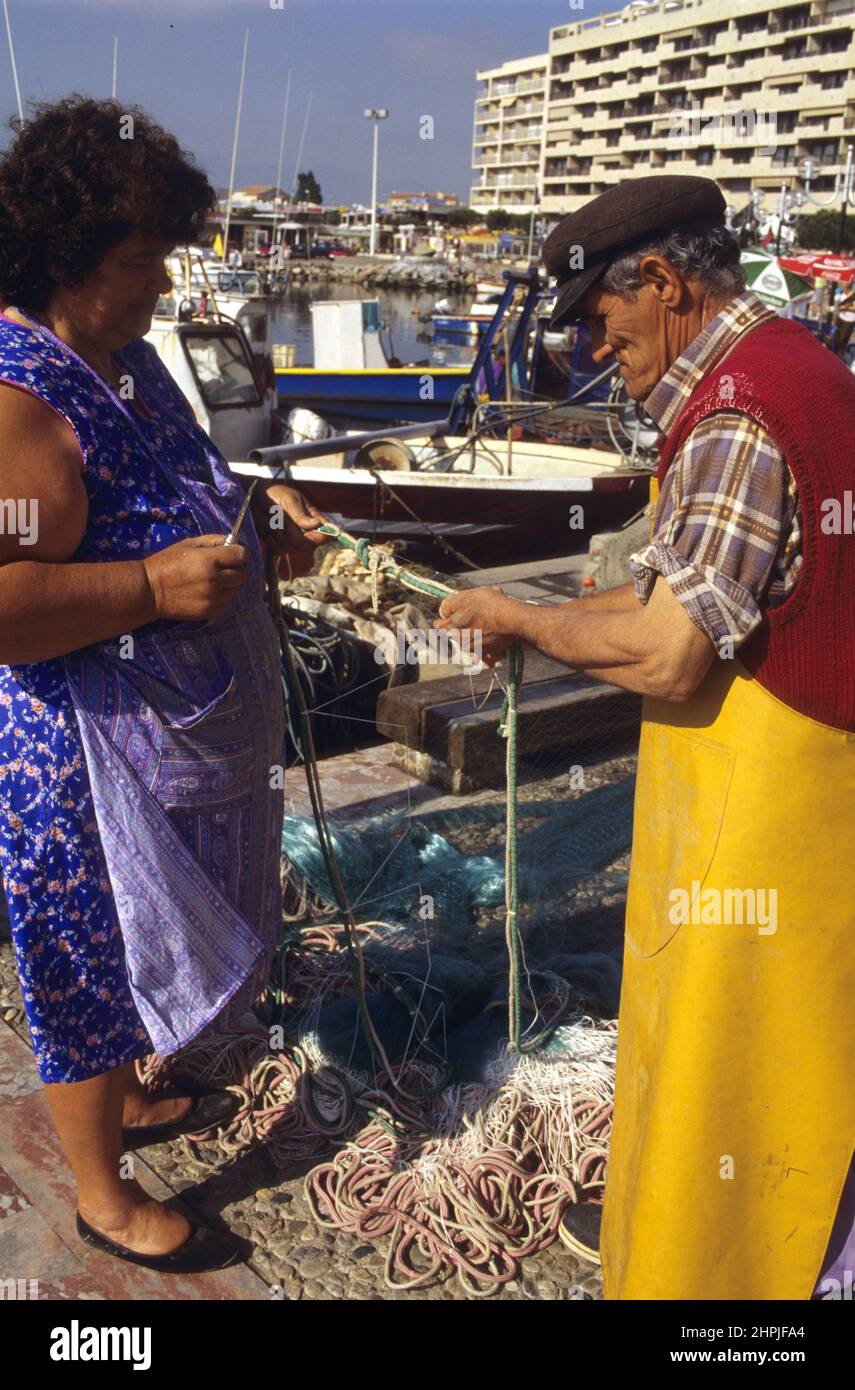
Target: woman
140,699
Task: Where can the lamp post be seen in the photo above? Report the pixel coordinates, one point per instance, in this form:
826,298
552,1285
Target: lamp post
376,115
847,193
843,189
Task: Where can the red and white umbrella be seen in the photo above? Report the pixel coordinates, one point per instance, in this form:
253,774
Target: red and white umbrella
822,264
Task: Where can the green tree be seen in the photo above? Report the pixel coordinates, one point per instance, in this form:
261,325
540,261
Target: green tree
500,221
308,188
818,231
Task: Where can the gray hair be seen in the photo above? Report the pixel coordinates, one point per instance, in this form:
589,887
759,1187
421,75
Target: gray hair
710,256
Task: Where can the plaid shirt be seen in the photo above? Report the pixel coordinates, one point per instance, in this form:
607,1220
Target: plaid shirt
728,537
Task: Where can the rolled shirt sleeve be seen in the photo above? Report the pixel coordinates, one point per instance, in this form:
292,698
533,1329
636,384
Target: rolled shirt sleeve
727,535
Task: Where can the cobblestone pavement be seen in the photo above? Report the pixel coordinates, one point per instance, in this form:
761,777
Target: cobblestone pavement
294,1256
265,1204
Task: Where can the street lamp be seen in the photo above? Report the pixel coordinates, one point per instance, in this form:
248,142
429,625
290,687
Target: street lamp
376,115
845,190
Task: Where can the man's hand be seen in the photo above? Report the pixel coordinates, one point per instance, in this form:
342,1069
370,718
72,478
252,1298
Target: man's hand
487,613
285,520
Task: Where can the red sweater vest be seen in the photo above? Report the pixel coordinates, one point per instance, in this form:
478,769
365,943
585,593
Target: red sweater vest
804,397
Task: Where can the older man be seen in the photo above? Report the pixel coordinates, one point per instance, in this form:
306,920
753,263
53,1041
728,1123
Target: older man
734,1114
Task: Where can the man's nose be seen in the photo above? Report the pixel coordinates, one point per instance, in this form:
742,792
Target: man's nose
601,349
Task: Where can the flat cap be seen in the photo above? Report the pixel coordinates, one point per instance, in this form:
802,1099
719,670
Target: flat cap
580,248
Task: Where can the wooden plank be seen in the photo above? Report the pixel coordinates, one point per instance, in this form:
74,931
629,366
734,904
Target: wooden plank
400,708
554,716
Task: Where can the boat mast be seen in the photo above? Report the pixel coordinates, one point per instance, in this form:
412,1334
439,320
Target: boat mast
115,63
279,165
234,148
14,64
297,165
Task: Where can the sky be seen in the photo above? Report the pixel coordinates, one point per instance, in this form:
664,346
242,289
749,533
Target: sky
180,60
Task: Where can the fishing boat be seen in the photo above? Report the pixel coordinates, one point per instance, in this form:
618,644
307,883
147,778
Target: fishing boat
481,312
355,379
553,499
219,349
518,476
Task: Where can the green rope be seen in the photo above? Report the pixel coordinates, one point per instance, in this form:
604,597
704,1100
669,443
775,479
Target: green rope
378,561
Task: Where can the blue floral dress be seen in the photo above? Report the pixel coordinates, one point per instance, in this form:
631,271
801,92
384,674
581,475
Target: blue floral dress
67,935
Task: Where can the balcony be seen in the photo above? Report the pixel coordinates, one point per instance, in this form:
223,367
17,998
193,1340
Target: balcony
507,181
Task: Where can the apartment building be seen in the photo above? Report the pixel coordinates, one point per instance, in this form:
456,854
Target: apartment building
507,148
617,80
737,90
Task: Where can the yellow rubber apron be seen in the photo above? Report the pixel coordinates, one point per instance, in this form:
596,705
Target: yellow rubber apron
735,1104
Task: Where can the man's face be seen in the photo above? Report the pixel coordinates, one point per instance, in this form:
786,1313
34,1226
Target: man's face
116,301
632,332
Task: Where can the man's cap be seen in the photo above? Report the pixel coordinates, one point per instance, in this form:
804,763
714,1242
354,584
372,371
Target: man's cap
623,217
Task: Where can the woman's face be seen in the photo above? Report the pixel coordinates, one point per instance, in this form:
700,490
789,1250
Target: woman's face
116,301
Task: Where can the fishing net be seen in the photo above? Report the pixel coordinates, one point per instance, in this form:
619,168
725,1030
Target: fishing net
439,1030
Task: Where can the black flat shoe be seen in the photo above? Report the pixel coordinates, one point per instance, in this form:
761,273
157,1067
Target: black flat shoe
580,1230
208,1109
203,1249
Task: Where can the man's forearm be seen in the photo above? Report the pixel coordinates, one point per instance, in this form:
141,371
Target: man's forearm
47,610
619,645
606,644
620,600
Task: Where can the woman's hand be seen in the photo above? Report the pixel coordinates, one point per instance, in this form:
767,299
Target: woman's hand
195,578
285,520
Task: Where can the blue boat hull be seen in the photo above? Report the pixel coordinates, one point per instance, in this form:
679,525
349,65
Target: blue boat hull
385,397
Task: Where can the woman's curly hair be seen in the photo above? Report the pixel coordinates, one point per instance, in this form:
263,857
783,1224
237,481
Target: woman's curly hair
71,188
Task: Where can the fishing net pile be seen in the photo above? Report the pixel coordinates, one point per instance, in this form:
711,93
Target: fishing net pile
451,1075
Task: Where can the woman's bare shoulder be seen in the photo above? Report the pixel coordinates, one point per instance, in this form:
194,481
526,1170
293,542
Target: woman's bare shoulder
26,419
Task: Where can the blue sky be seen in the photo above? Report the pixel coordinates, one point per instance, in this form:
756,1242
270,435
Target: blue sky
180,60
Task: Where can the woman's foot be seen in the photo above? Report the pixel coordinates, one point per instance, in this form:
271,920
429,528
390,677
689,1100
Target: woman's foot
149,1228
141,1109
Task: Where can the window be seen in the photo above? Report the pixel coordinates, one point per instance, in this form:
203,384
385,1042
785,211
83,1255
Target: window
796,18
794,48
752,25
786,123
222,369
833,79
704,156
823,150
836,43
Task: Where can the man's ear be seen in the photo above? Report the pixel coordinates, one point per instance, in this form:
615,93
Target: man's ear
666,283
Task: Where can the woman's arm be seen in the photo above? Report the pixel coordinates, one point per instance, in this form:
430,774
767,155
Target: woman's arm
47,610
48,606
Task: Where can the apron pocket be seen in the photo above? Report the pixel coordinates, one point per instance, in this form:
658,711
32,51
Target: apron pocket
680,800
207,756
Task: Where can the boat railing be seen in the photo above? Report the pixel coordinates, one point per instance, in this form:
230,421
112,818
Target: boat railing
281,456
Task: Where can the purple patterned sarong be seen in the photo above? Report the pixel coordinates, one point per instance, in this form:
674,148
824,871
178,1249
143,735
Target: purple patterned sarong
180,741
